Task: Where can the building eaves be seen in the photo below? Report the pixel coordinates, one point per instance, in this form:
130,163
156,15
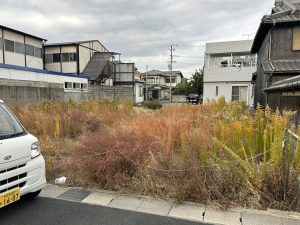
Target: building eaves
282,66
68,43
285,85
21,32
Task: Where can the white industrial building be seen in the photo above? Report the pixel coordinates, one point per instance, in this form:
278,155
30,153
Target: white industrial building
228,71
20,49
21,58
72,65
88,58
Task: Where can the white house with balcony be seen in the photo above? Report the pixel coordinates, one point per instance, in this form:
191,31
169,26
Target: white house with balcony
228,71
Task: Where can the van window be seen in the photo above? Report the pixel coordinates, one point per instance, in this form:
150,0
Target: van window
9,125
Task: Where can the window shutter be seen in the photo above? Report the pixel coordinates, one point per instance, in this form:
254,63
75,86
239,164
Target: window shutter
296,38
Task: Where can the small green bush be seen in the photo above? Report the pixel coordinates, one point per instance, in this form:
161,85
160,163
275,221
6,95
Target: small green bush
152,104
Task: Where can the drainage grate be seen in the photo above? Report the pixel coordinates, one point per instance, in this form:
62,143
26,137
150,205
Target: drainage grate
76,195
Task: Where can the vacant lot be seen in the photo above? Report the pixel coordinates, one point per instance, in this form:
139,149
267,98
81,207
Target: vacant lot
218,153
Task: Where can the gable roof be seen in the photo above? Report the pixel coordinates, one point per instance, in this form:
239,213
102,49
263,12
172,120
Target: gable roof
162,73
21,32
70,43
284,11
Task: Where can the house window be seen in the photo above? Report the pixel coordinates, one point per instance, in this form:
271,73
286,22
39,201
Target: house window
239,93
168,80
76,85
37,52
29,50
73,57
68,85
296,38
56,57
65,57
49,58
19,48
83,86
217,90
141,91
9,46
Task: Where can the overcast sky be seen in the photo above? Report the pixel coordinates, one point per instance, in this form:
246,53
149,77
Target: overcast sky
141,30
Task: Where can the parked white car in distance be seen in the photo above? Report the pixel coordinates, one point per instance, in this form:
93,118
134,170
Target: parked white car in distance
22,167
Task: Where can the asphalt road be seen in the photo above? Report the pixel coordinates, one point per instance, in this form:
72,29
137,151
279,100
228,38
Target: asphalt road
46,211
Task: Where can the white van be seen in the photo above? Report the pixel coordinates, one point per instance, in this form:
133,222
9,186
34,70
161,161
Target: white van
22,167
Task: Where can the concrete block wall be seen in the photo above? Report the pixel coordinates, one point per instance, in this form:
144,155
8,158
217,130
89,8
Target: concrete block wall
101,92
14,92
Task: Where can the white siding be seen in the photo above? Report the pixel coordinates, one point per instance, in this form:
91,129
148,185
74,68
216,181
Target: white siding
34,62
138,98
12,57
225,90
98,46
17,58
35,76
228,74
84,56
69,67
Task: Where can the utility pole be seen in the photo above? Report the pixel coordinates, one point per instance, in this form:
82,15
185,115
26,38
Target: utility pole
172,49
146,83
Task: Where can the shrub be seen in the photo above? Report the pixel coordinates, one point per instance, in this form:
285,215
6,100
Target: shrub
152,104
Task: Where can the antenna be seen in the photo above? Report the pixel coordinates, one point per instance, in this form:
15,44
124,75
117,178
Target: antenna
247,35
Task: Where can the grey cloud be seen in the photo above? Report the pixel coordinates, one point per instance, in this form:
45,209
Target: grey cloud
140,29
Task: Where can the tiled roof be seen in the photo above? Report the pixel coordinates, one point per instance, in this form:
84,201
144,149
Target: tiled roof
282,66
285,85
284,11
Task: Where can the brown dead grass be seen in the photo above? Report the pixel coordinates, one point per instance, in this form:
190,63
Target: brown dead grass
218,153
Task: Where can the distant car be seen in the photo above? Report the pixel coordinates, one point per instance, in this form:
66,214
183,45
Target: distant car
194,99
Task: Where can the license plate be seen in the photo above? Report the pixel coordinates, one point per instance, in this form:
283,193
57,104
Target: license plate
9,197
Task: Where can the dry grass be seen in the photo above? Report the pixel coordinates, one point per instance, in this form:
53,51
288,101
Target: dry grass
218,153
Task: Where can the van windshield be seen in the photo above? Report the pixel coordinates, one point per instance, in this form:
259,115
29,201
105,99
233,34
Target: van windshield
9,125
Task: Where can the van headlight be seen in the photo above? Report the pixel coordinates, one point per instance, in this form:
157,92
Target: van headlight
35,150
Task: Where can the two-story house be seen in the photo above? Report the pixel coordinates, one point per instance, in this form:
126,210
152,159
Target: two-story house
228,70
277,43
158,83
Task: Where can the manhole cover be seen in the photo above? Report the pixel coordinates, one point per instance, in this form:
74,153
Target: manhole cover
76,195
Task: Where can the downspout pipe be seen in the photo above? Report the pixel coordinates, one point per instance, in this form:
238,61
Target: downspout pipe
3,46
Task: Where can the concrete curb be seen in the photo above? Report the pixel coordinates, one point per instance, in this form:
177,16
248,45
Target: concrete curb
187,210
